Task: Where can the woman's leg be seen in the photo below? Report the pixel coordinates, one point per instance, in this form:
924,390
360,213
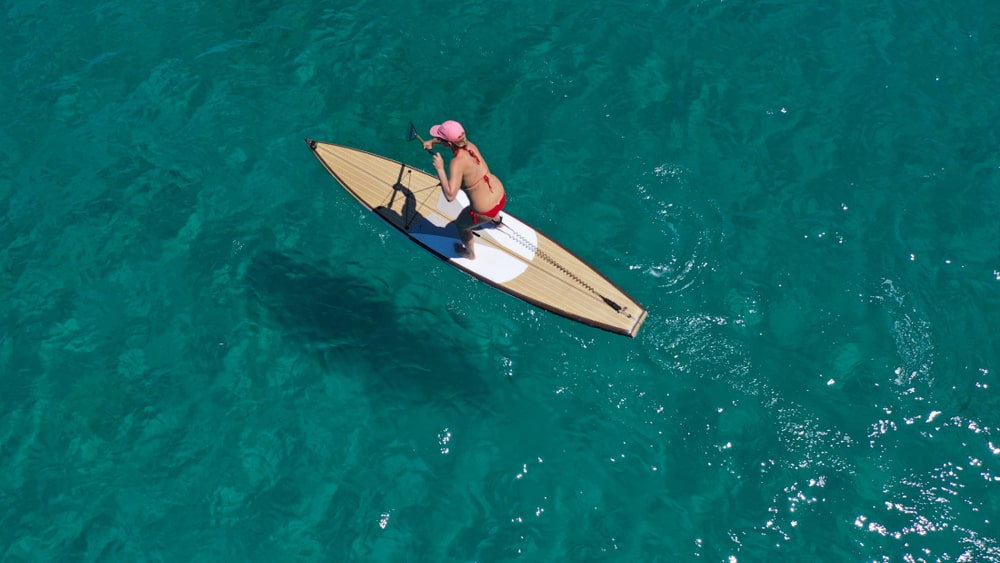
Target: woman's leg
465,222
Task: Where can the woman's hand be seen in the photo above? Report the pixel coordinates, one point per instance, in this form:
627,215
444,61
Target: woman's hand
428,145
438,162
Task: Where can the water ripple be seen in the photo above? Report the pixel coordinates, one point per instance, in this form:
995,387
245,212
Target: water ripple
681,232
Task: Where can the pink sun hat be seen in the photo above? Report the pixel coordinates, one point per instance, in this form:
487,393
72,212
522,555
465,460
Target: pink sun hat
449,131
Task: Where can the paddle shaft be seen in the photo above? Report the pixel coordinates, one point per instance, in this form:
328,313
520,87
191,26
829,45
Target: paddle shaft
412,134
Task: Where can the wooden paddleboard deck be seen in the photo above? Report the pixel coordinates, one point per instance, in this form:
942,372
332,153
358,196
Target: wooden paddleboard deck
511,256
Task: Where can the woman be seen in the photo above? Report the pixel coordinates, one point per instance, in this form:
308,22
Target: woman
470,173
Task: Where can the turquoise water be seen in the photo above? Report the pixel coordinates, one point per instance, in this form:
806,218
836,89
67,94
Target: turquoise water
209,352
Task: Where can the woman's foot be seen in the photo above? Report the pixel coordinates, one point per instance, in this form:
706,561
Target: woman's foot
464,251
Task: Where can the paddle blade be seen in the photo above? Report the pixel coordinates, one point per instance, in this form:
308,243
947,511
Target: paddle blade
412,134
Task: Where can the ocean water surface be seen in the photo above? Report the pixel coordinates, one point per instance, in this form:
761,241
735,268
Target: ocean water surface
210,352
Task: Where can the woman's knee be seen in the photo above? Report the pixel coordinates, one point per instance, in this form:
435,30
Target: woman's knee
465,220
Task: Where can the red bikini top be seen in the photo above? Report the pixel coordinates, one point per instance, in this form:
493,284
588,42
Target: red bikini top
486,176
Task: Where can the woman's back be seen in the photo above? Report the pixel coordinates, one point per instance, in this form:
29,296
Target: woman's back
483,188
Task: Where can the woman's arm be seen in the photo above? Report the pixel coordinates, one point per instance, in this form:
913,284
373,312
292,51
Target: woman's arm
428,145
450,188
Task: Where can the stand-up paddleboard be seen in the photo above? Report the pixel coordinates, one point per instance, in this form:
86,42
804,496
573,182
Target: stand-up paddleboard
511,256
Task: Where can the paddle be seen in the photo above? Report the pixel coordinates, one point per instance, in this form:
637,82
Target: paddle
412,134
